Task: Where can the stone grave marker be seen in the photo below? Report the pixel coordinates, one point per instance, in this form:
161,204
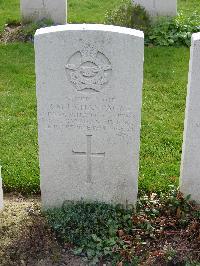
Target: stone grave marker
159,7
190,168
35,10
89,94
1,192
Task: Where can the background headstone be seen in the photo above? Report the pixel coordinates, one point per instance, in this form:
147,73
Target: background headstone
190,169
89,93
1,192
159,7
35,10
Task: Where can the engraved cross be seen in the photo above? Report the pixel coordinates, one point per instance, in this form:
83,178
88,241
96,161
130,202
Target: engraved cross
89,154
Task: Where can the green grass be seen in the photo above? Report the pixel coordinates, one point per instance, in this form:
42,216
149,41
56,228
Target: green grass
18,131
164,92
165,79
189,6
89,11
9,11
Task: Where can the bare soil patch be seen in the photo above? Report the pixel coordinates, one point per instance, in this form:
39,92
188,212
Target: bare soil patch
26,238
12,33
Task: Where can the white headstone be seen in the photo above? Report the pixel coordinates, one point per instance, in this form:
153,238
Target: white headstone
1,192
190,168
35,10
89,93
159,7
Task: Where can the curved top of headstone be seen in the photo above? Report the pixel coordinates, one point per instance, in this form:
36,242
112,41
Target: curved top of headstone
90,27
196,36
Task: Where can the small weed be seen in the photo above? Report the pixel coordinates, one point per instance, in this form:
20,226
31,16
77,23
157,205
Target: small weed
91,228
29,29
175,31
129,15
103,232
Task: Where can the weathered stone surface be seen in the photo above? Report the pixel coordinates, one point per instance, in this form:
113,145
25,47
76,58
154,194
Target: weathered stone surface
190,168
1,192
35,10
89,93
159,7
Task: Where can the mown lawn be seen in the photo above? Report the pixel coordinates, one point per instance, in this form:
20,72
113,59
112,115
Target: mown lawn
189,6
9,11
165,80
18,131
164,92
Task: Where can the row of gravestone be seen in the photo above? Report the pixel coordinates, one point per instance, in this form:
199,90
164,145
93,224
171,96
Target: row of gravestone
33,10
89,95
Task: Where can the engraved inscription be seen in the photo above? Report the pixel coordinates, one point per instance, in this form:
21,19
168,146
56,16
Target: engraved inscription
88,69
89,154
79,113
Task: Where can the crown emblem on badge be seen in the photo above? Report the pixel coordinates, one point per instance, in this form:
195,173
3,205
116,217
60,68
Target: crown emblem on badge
88,69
